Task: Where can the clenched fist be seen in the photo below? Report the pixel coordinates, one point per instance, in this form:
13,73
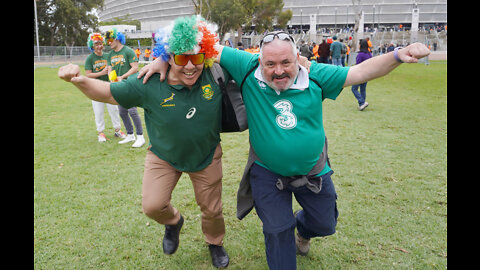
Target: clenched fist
413,52
70,73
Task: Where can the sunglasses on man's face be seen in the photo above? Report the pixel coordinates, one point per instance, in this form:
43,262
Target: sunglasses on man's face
182,59
271,36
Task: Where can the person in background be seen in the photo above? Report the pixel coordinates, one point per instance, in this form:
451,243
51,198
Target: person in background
305,49
124,62
361,96
138,52
336,52
348,52
146,56
343,52
240,46
315,52
323,52
370,46
96,68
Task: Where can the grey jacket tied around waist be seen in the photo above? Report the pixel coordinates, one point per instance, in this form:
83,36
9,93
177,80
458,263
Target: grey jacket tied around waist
244,193
313,183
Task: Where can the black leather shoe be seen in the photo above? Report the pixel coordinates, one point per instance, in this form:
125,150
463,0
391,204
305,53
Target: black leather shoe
219,256
171,239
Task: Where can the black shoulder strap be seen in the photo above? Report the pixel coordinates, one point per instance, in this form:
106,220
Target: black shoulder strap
218,76
248,73
317,83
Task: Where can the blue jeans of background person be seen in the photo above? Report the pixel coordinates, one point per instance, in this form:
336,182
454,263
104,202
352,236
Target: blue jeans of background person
362,95
337,61
274,207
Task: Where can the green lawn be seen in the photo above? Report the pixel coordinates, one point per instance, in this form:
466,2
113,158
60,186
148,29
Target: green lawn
390,176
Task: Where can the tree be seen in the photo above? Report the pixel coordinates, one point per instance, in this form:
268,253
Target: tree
264,13
358,13
232,14
284,17
122,20
227,14
66,22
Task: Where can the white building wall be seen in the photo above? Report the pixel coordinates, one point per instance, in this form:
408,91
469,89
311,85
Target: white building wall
156,13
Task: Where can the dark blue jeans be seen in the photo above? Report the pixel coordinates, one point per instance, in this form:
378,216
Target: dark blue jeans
363,93
274,207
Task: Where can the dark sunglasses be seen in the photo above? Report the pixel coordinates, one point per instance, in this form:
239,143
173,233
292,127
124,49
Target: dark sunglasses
182,59
271,36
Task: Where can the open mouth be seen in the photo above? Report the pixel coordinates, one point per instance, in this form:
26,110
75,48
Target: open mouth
283,77
190,74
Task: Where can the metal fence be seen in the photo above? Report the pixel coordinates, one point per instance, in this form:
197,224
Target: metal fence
52,55
58,55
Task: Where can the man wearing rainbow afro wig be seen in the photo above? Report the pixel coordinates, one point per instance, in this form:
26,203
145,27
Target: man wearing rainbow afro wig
123,62
187,36
183,120
96,68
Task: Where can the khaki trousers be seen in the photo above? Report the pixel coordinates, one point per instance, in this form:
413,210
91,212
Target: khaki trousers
159,180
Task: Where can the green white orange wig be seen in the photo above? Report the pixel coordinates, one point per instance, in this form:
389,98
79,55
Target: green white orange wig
192,34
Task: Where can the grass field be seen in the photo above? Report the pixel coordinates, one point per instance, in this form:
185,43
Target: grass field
390,176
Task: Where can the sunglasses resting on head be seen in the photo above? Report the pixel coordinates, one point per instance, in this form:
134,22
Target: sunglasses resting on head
271,36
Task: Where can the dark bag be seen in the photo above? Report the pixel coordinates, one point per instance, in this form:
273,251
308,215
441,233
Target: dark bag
234,116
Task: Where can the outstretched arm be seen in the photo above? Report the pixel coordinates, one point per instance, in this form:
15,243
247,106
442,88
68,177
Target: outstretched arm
159,66
94,89
379,66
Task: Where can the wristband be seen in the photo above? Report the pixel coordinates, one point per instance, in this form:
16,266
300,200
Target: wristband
395,54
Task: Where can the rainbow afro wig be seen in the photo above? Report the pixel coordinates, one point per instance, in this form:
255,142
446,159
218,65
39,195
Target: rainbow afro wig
92,38
114,34
192,34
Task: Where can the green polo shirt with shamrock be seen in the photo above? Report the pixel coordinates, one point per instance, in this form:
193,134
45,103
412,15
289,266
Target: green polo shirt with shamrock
285,128
96,64
183,125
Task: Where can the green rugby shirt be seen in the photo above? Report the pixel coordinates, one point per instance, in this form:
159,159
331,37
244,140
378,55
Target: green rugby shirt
96,64
120,61
183,125
286,128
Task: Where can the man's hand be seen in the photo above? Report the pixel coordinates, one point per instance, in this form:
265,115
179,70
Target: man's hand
70,73
94,89
302,60
413,52
157,66
381,65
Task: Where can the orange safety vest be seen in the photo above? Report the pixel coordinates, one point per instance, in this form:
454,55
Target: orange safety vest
315,51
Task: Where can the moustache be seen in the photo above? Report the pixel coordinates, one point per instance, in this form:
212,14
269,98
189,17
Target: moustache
284,75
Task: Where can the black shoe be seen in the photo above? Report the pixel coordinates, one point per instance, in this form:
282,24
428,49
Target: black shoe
171,239
219,256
